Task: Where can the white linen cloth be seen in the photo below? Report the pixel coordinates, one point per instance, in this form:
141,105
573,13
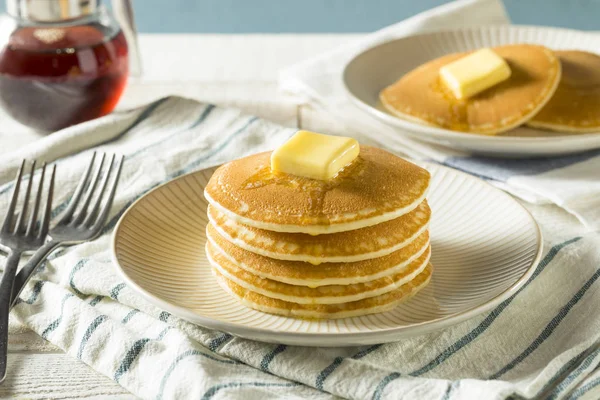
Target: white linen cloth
540,342
572,182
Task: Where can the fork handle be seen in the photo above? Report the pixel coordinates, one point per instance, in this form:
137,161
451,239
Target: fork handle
29,268
6,286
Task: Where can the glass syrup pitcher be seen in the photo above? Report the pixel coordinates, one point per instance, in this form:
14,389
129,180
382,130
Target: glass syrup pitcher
63,62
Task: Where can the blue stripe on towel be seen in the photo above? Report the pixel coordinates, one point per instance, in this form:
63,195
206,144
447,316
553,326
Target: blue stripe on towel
114,293
324,374
264,364
465,340
207,110
338,361
129,315
451,389
134,352
143,115
37,288
549,329
574,375
130,357
163,333
213,390
88,333
384,382
164,316
80,264
53,325
500,169
365,352
183,356
205,113
96,300
219,341
577,394
576,360
487,322
180,172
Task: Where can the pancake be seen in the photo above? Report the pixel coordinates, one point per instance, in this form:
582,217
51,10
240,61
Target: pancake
376,304
330,294
375,188
361,244
421,97
575,106
305,274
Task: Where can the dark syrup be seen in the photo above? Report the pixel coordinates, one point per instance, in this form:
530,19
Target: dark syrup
54,78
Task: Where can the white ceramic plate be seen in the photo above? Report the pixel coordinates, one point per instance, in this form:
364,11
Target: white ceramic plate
485,246
374,69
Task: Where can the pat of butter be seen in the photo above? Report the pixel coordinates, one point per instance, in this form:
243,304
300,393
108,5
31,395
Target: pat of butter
474,73
314,155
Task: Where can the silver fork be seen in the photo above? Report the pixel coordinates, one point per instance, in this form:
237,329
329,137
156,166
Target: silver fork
19,239
76,226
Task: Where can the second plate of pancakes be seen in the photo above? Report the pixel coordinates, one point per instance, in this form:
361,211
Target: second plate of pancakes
548,133
483,245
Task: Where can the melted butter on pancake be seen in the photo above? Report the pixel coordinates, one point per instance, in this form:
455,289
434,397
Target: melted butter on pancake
370,305
361,244
421,96
375,188
575,106
316,189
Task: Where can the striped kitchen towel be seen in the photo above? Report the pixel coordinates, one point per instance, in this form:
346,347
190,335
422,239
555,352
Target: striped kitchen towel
571,182
541,342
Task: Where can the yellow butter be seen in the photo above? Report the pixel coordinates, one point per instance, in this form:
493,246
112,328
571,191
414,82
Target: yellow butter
474,73
314,155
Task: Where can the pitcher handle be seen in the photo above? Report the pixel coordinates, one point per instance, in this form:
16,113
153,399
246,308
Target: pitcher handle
123,11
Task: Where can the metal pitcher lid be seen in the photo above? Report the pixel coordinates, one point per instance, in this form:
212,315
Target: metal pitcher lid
51,10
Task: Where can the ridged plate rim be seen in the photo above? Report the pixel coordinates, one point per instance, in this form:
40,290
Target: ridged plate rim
334,339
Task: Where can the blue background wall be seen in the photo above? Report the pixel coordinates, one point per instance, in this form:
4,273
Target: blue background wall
252,16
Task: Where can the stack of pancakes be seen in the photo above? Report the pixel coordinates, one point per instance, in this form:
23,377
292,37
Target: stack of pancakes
555,90
354,245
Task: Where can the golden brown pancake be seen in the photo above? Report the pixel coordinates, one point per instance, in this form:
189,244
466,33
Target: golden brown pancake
306,274
575,106
420,96
375,188
369,305
330,294
361,244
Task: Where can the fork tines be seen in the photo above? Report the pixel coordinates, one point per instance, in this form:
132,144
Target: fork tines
19,227
94,185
